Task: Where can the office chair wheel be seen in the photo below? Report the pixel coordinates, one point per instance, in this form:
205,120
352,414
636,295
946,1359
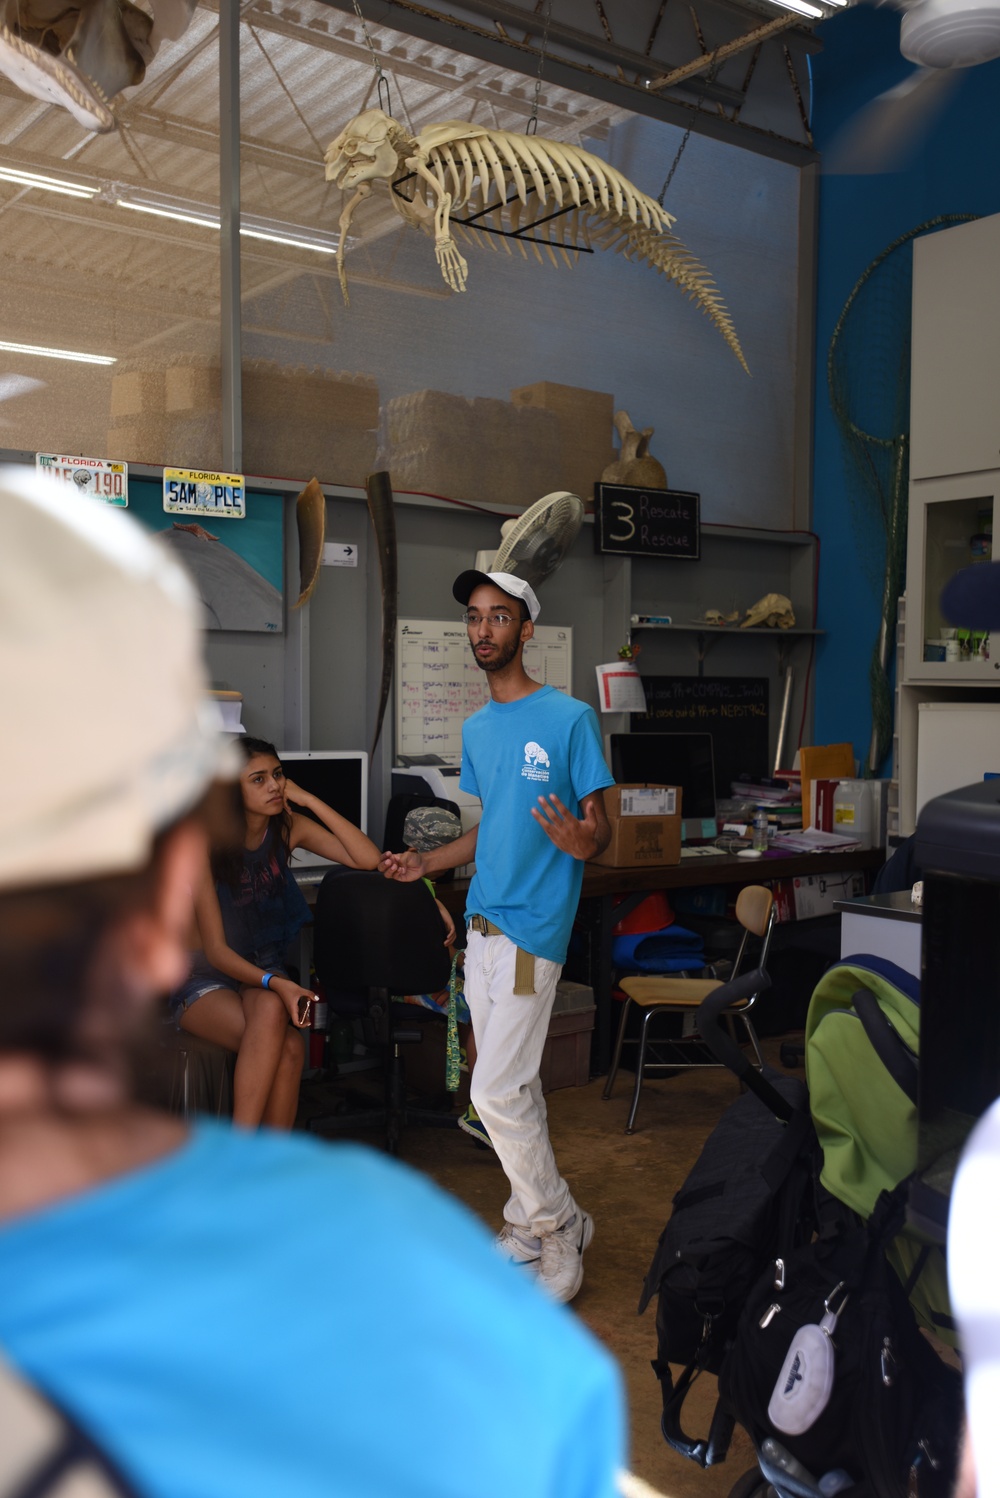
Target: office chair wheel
752,1484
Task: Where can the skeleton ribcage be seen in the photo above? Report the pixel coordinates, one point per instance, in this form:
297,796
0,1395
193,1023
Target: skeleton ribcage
556,201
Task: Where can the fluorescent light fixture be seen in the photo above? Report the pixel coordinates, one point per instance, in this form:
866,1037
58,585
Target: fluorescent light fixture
304,243
801,7
203,220
251,228
56,353
50,184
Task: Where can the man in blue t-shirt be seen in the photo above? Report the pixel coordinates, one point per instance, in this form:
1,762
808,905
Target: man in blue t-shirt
533,756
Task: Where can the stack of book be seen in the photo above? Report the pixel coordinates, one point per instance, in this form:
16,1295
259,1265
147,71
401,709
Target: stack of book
781,795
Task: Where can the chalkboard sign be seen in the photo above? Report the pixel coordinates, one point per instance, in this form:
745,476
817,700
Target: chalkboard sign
647,522
734,709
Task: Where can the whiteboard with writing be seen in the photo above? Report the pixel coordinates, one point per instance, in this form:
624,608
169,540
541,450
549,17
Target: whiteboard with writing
439,685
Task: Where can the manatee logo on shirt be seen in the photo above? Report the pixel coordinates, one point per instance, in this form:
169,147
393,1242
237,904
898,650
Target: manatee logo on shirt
536,762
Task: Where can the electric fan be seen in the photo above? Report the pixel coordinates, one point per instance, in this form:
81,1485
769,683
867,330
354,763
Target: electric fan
533,545
943,37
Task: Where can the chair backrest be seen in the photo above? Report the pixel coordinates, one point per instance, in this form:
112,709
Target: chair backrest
753,909
372,932
395,816
755,913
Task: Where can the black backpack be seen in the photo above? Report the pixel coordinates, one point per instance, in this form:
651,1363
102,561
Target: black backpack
888,1412
749,1194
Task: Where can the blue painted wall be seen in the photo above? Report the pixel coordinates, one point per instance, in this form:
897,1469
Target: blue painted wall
956,169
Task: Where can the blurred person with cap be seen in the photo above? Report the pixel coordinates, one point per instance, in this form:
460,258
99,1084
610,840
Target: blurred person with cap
534,758
214,1307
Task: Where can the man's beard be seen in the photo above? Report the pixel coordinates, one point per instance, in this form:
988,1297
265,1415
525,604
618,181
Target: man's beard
504,655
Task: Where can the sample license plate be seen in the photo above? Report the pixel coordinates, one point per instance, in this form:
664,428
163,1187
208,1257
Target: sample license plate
190,491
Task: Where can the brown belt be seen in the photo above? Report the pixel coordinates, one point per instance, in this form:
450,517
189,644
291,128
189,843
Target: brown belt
524,962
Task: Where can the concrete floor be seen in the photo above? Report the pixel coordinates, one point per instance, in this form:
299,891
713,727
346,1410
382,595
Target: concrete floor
627,1183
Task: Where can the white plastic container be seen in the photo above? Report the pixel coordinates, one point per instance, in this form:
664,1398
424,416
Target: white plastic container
853,811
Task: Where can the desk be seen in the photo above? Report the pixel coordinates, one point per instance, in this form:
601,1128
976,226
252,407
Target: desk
600,913
888,926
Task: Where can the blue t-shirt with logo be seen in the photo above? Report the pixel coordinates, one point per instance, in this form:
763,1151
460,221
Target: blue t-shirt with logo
512,754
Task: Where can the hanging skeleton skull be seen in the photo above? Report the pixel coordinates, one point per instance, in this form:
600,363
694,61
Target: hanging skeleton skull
520,189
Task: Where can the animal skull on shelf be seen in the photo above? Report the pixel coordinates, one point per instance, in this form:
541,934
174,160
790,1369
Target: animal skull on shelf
773,609
524,189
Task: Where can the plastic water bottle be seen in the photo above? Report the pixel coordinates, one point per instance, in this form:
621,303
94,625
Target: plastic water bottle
760,829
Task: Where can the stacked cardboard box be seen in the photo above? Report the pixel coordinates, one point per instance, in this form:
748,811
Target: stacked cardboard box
585,423
479,449
296,422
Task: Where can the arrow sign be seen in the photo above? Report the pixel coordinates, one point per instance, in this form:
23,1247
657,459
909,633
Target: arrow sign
340,554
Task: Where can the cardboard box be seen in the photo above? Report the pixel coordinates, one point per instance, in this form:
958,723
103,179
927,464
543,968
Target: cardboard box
811,895
645,826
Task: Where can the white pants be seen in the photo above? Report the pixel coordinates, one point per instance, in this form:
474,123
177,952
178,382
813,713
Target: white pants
510,1031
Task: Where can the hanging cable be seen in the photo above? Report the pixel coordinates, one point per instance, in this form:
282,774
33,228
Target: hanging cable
382,79
532,125
709,78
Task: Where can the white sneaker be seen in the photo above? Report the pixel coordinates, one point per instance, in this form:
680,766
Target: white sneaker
560,1271
520,1247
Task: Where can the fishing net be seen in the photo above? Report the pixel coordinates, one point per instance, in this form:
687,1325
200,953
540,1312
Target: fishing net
868,369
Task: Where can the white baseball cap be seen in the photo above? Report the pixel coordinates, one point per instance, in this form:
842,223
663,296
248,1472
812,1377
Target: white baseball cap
108,735
466,584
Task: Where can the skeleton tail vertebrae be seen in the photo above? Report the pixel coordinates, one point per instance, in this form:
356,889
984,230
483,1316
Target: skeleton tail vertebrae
666,254
560,198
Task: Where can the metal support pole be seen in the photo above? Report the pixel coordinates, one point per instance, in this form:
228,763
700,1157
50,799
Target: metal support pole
786,708
229,248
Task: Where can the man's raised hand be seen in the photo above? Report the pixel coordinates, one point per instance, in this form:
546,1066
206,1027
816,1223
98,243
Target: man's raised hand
577,836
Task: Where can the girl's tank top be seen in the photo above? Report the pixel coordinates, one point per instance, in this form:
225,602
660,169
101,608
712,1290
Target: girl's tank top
267,908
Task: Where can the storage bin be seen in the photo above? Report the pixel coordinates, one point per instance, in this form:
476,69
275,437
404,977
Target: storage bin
566,1057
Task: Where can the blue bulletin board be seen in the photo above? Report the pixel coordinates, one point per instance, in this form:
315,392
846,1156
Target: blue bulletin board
237,565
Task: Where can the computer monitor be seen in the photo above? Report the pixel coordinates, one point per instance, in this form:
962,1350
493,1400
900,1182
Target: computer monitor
337,776
683,759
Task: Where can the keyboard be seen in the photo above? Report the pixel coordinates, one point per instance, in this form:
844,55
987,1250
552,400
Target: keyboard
709,850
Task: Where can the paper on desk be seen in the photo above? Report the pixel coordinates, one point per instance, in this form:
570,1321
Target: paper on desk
620,689
812,840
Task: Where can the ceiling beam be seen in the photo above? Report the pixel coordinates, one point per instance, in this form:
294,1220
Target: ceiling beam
718,55
448,31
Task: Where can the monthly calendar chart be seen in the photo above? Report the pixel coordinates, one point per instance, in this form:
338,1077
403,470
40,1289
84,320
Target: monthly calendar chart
439,684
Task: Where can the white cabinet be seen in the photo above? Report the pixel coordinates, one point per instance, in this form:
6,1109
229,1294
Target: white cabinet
955,384
953,498
948,519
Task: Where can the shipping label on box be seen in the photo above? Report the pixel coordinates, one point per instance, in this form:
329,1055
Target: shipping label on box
648,801
637,836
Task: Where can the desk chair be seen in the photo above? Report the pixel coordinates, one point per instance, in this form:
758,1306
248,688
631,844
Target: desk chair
385,938
656,995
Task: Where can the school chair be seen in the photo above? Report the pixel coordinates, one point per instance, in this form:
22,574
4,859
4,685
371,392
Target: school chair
656,996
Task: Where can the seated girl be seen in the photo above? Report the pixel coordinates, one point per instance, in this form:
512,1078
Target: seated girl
248,910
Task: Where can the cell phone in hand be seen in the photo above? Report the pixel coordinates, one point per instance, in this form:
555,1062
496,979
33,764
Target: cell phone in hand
305,1004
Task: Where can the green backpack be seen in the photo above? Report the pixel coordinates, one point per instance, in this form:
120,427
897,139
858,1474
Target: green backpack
862,1049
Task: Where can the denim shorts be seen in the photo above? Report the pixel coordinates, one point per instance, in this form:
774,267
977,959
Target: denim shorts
204,978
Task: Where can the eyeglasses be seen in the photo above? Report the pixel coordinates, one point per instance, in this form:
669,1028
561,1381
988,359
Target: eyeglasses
495,621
